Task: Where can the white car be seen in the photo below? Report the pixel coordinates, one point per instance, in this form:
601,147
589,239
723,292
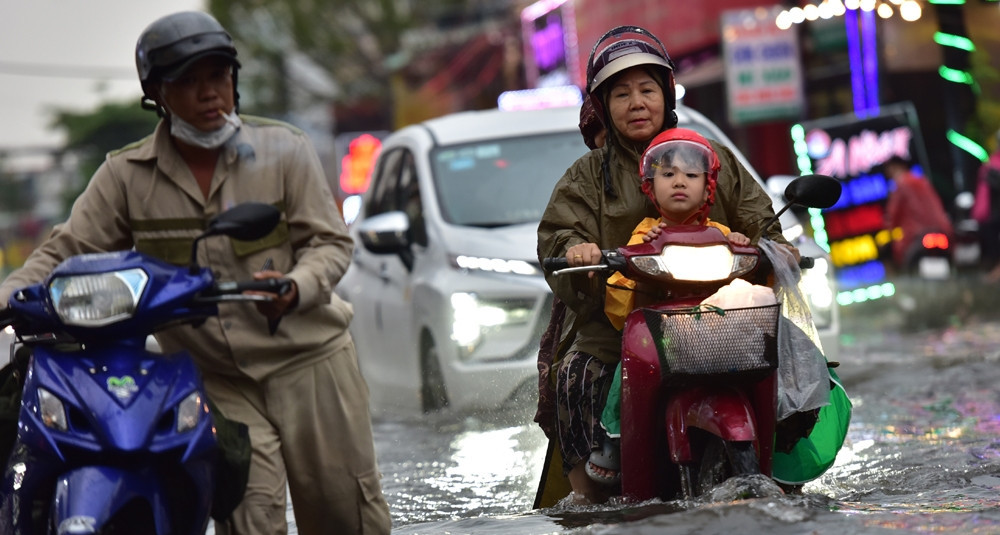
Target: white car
448,296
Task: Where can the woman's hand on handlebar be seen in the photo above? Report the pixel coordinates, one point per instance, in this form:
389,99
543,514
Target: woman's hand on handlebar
584,254
279,303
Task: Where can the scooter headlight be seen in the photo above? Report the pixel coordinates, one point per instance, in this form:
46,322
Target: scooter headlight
51,410
97,299
189,412
695,264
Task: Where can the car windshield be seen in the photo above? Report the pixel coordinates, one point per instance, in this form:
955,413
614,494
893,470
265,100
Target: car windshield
502,182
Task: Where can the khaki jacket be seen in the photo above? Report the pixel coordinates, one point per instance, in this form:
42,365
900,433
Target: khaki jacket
581,210
144,196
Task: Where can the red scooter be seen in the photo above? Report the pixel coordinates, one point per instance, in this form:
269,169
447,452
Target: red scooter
699,386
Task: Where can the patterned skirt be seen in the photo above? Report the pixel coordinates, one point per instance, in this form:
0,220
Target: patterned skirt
582,384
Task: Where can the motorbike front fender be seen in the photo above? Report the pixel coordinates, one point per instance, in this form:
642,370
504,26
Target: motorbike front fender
87,498
724,412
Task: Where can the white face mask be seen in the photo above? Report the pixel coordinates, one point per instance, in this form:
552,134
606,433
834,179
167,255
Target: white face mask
187,133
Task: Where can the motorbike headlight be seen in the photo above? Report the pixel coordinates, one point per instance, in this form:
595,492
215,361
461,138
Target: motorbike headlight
695,264
52,411
474,315
97,299
189,412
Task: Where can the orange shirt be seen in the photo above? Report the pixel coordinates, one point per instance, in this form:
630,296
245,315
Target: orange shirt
619,302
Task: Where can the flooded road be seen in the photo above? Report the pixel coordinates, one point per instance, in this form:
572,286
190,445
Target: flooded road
922,454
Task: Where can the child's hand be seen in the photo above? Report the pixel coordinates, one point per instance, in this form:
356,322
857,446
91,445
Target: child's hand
738,239
653,233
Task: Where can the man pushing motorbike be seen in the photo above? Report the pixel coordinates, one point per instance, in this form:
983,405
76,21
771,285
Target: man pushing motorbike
298,388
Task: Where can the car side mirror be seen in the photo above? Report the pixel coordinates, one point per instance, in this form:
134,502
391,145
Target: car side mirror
387,233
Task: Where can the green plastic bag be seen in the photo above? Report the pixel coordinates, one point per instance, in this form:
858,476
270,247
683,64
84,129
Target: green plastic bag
815,454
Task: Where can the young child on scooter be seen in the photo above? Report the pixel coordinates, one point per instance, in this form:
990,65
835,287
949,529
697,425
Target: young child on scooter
679,171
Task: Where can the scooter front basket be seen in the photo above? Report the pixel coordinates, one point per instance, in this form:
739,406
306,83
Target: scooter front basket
710,341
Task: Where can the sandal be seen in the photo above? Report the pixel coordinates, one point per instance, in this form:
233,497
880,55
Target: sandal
608,459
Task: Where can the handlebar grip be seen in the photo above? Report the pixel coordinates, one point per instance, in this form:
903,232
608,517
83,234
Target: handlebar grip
280,286
806,262
555,263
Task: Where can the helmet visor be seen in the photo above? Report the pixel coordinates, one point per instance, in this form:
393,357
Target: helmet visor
175,71
677,156
624,55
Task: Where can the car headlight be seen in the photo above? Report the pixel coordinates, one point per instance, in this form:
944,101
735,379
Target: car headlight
695,264
189,412
473,316
51,410
494,265
793,233
97,299
818,286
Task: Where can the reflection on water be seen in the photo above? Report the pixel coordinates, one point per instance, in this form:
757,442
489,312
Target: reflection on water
922,455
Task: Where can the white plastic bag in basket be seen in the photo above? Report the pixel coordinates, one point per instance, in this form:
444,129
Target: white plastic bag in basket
741,294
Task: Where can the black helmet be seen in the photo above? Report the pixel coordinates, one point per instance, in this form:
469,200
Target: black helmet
624,47
172,43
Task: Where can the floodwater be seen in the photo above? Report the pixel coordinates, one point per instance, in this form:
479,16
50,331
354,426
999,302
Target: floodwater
922,454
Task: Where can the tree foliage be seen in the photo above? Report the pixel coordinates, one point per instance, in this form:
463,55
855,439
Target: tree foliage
94,133
356,42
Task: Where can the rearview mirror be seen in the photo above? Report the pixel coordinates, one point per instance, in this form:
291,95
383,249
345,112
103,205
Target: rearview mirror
814,191
246,221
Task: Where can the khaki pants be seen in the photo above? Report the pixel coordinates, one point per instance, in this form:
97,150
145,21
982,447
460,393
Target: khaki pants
311,427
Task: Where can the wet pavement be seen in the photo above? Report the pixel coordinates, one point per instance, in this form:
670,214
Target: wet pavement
922,454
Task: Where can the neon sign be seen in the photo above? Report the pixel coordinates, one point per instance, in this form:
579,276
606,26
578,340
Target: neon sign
549,29
851,149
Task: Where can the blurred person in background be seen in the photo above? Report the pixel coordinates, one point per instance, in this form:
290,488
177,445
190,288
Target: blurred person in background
299,389
915,208
986,211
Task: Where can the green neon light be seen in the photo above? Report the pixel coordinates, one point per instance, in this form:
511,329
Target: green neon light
801,148
955,41
947,2
871,293
966,144
955,75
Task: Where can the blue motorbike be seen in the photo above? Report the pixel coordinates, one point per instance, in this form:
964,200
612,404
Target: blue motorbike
111,437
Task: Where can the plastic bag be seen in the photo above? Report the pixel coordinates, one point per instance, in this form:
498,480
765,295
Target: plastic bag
803,376
741,294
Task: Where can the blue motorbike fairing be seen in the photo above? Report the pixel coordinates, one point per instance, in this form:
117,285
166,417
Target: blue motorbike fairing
116,401
133,435
89,498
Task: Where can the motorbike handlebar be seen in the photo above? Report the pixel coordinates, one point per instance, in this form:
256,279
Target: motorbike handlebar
279,286
552,264
555,263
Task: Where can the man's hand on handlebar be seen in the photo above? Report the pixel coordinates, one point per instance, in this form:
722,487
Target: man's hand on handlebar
279,303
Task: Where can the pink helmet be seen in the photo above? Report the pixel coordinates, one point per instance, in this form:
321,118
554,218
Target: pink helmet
691,145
